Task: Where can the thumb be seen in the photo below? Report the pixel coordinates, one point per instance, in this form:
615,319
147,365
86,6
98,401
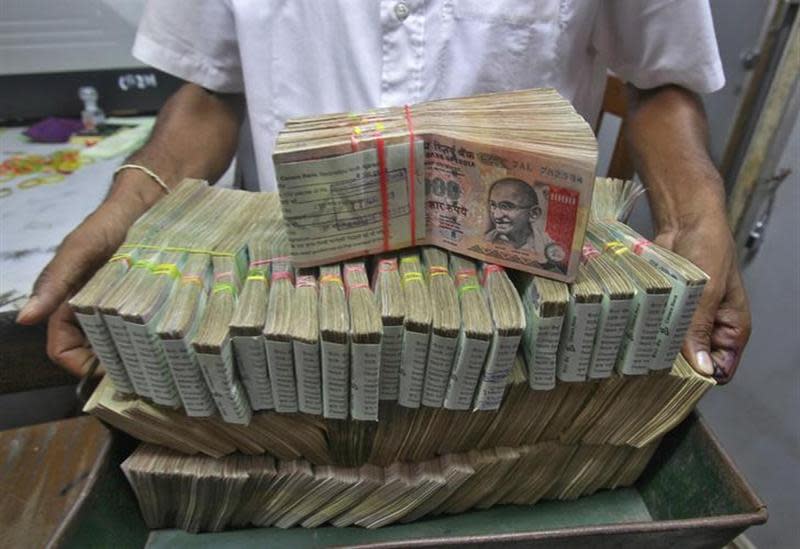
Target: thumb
59,279
78,257
697,346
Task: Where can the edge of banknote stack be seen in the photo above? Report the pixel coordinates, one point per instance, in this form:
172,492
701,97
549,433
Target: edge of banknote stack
390,386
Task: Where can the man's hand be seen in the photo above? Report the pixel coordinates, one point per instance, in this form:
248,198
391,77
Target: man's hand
721,326
668,135
81,253
196,135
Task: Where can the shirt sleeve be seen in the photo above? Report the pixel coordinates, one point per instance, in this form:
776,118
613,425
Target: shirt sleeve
195,41
659,42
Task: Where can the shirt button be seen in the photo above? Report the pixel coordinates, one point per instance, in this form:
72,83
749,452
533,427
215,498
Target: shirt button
401,10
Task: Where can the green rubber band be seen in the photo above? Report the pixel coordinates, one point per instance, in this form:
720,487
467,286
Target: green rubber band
467,288
224,287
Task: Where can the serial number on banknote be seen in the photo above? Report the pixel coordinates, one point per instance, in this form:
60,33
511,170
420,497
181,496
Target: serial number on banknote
560,175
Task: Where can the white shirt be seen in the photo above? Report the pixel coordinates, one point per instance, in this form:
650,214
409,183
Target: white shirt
301,57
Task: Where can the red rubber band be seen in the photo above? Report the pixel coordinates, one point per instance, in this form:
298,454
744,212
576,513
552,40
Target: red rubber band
464,275
357,286
284,275
640,245
589,252
488,269
306,281
412,174
354,269
384,183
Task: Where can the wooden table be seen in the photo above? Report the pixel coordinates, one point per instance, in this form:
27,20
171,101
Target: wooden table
46,473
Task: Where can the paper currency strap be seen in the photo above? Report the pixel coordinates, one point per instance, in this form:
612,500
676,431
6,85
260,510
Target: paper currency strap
383,177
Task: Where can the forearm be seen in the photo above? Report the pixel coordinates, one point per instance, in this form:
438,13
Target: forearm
195,135
668,135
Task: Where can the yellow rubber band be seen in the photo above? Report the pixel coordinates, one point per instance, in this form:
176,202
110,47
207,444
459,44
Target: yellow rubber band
411,277
127,258
144,264
335,279
617,247
169,269
179,249
257,272
192,279
257,276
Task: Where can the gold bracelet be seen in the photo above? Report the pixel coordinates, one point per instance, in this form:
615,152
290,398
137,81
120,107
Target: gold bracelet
148,171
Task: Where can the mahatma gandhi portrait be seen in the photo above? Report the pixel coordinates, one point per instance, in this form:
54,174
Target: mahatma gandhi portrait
516,209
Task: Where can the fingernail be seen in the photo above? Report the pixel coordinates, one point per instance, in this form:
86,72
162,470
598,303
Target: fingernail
27,309
703,360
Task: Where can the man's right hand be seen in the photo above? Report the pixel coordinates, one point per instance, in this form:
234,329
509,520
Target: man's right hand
78,257
195,135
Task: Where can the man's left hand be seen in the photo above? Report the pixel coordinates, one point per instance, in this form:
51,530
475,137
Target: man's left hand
721,326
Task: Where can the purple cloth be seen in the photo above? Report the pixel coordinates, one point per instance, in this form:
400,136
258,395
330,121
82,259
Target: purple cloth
54,130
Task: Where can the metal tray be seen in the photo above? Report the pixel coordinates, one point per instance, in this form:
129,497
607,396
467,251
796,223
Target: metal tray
691,495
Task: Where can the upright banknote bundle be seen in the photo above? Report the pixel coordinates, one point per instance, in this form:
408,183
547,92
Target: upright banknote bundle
504,178
215,319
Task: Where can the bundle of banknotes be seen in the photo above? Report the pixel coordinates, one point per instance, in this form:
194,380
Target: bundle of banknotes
202,494
383,387
620,410
210,315
504,178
